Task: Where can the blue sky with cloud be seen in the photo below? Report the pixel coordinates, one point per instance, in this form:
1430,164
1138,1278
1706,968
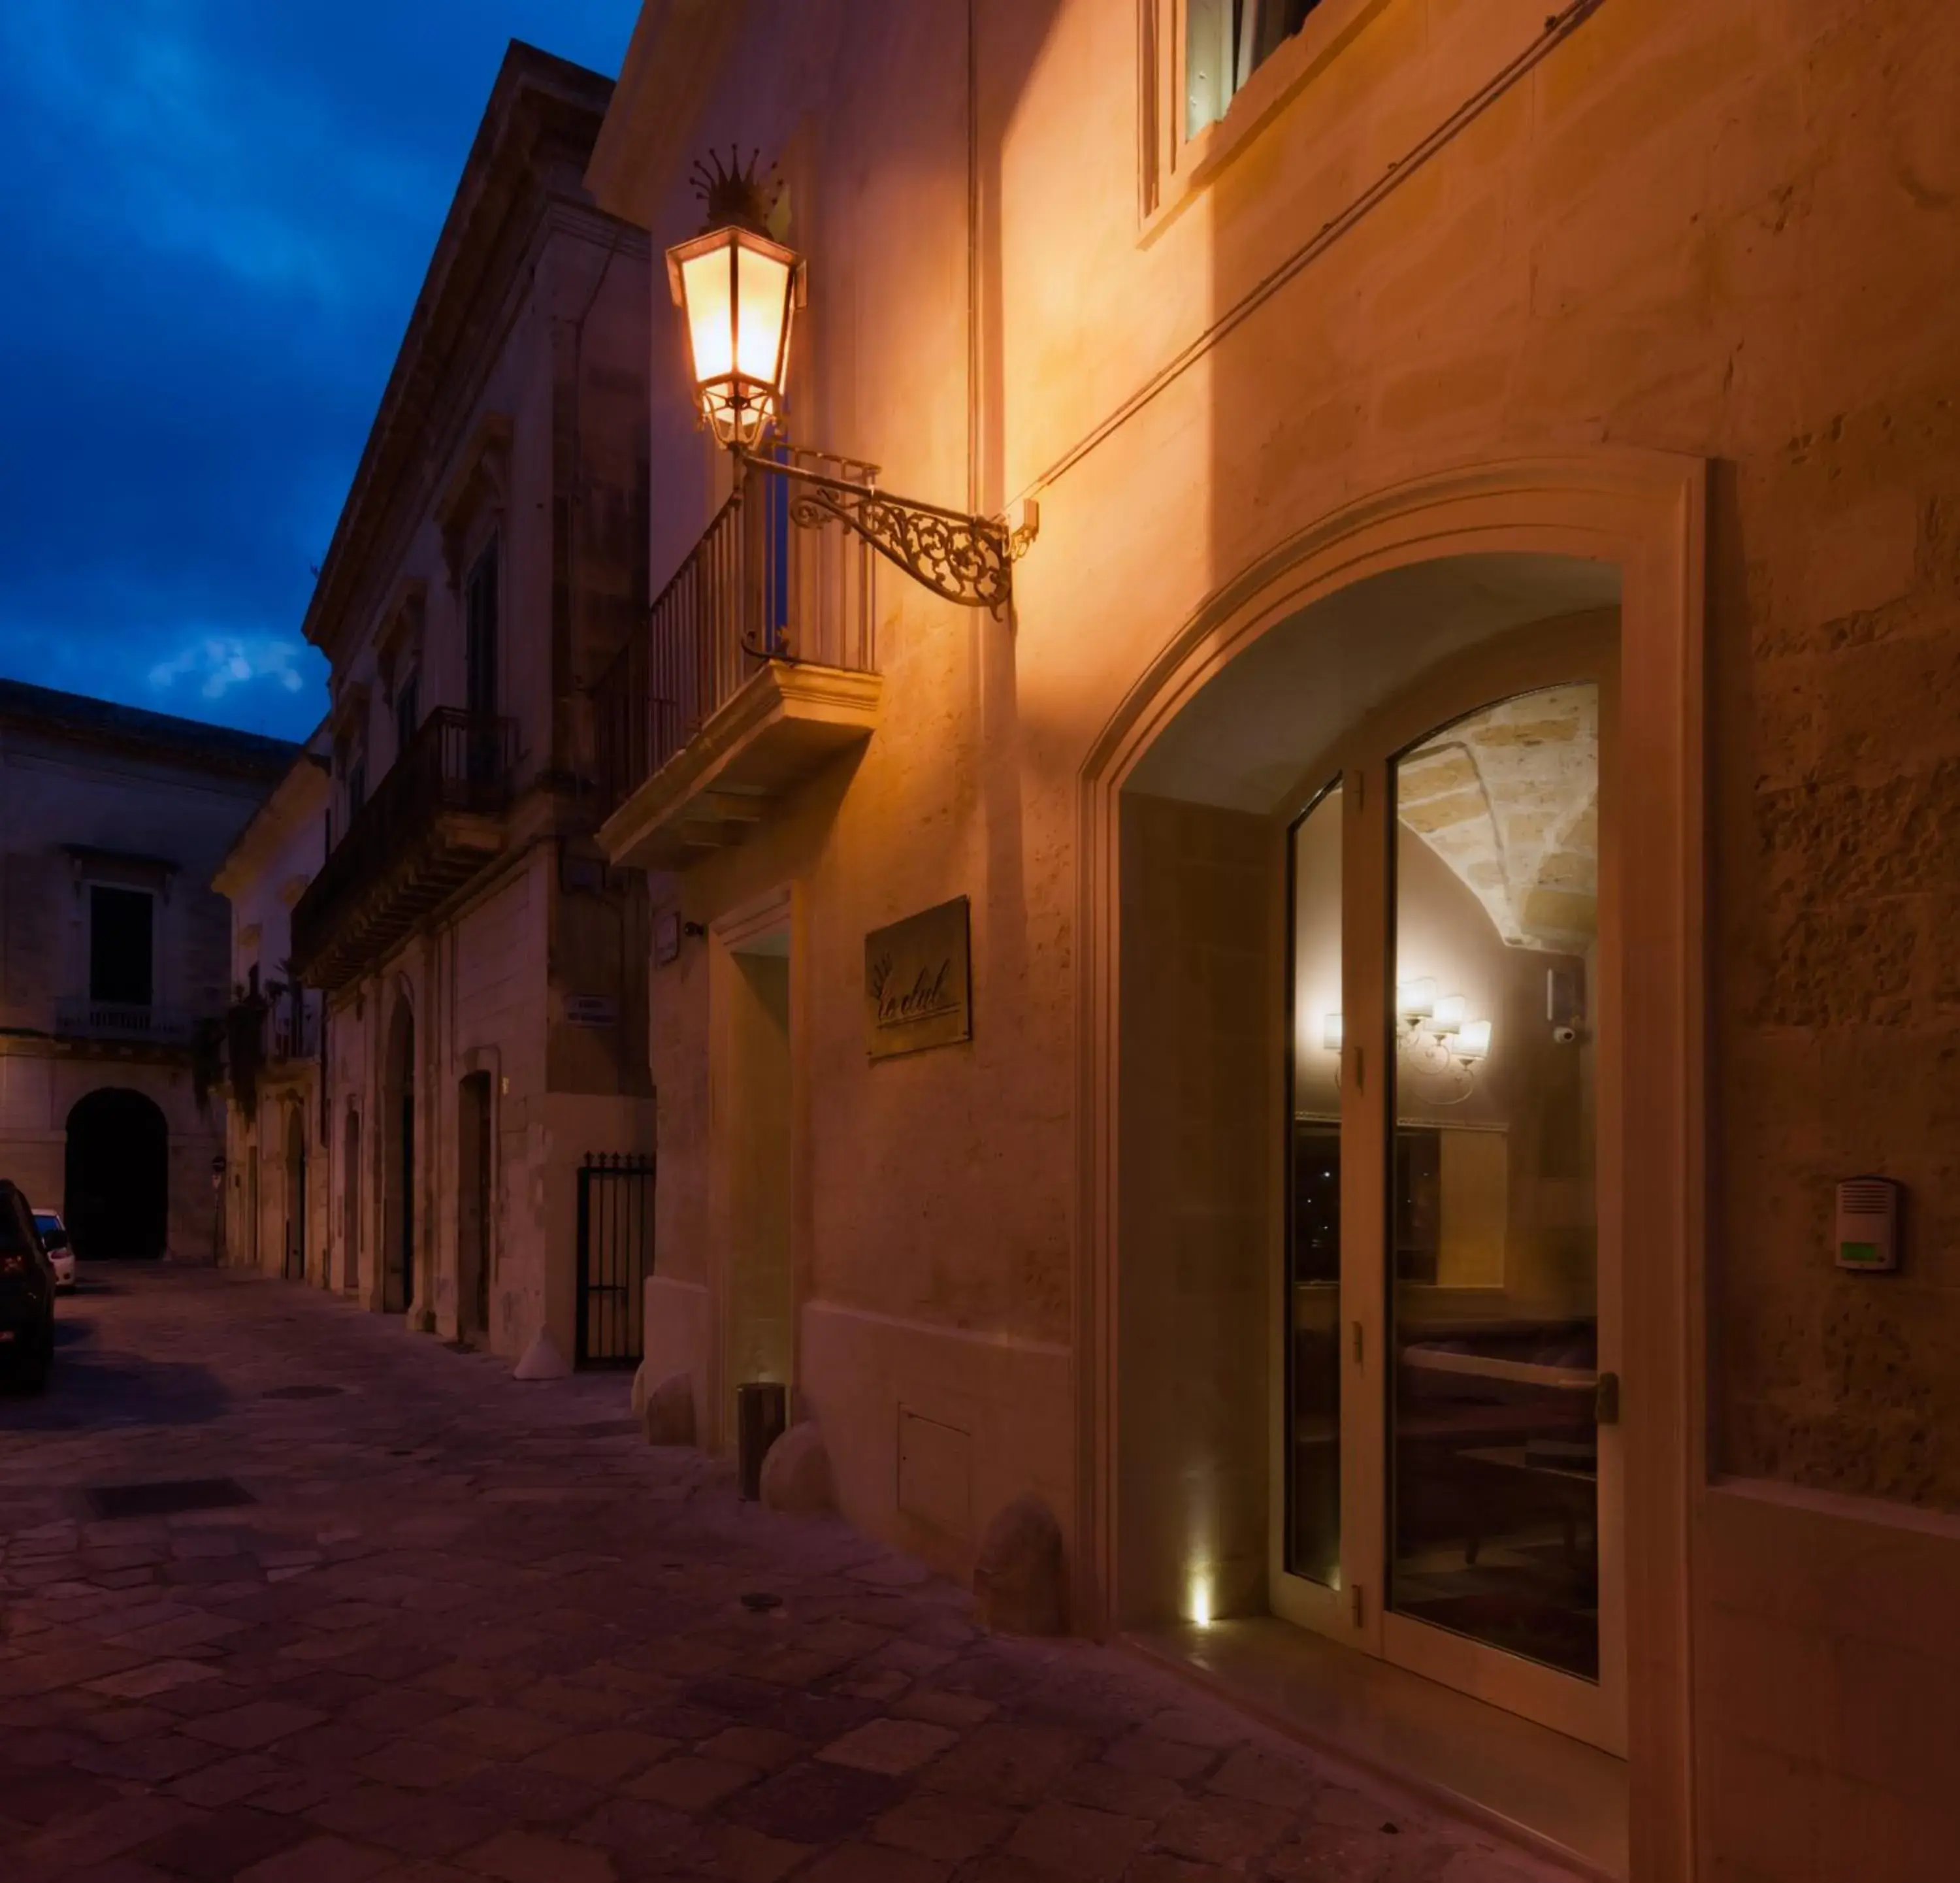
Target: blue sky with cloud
218,215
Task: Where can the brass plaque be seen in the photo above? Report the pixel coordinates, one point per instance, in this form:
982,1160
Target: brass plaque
918,986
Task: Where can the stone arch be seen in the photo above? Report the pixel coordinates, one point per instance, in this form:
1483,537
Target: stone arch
116,1201
1640,514
1508,800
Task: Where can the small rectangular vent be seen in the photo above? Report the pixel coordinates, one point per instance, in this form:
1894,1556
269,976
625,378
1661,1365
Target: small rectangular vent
169,1498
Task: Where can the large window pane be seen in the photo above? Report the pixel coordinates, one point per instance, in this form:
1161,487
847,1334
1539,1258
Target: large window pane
1225,41
120,946
1493,1259
1313,1252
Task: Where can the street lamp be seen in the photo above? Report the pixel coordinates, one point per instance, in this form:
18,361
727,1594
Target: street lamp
738,290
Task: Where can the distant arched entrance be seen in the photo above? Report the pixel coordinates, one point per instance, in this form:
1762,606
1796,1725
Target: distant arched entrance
350,1245
398,1152
117,1177
296,1193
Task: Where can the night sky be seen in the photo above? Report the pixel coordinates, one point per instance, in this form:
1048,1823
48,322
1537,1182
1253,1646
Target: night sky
215,216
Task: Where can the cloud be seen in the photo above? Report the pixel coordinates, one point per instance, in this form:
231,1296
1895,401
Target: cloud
219,663
218,216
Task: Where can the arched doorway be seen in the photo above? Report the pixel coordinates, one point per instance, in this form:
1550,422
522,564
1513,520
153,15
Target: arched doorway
1195,1505
296,1193
350,1230
1361,1223
472,1204
117,1201
398,1113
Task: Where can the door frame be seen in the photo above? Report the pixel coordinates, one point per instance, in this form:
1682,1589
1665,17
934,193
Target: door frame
292,1266
476,1196
779,910
1645,513
1583,648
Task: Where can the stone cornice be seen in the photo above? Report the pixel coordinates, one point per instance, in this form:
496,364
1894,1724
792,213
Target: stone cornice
479,481
43,715
299,797
401,625
527,159
350,710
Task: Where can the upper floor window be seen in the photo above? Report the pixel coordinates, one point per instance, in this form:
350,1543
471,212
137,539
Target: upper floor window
1225,42
121,945
479,631
407,711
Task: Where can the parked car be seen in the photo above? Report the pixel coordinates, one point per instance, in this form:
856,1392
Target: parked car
26,1293
61,1253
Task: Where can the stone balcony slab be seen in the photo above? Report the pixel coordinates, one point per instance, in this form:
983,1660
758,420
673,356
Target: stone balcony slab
785,723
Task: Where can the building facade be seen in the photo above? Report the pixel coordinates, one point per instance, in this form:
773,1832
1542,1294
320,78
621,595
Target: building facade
483,969
1421,900
277,1149
113,981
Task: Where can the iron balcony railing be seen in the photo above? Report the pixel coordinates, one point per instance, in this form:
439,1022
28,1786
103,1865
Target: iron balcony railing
457,762
139,1024
292,1026
758,586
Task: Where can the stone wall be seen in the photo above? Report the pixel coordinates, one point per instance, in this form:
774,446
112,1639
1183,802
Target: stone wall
138,793
1723,232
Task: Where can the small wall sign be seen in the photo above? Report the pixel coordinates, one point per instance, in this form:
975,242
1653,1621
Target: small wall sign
591,1009
918,985
1868,1214
667,937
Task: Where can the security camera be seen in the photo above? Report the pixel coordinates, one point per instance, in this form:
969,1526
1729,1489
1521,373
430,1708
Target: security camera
1565,1003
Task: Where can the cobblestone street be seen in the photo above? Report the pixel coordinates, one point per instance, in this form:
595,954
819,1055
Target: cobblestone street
467,1628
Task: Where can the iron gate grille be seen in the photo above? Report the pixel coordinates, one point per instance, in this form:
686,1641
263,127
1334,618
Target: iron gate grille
615,1256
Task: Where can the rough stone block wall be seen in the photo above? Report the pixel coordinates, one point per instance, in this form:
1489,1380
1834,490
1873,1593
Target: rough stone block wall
1726,232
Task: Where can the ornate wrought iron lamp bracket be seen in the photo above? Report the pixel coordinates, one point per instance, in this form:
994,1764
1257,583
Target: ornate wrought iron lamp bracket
967,559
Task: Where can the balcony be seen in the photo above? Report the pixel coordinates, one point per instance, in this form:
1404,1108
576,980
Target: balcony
292,1028
435,821
758,666
122,1021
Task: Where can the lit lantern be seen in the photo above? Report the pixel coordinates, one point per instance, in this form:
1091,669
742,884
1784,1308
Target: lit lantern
738,291
1416,1000
1473,1039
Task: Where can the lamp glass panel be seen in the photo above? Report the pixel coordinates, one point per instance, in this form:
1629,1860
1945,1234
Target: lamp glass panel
763,292
1493,1259
1312,1307
706,281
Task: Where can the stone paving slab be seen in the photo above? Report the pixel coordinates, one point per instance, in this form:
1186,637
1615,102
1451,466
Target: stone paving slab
470,1629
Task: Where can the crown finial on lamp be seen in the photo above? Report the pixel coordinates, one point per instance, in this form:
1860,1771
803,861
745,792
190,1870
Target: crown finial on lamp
734,193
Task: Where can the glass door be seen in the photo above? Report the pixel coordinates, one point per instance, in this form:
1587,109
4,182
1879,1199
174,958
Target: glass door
1449,1465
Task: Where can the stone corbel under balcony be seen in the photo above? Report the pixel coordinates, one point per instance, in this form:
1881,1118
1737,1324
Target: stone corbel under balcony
788,721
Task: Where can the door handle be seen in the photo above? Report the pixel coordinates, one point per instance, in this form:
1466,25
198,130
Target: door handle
1606,1400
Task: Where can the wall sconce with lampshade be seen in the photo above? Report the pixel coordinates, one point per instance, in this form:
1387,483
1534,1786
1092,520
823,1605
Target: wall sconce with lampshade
738,290
1433,1034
